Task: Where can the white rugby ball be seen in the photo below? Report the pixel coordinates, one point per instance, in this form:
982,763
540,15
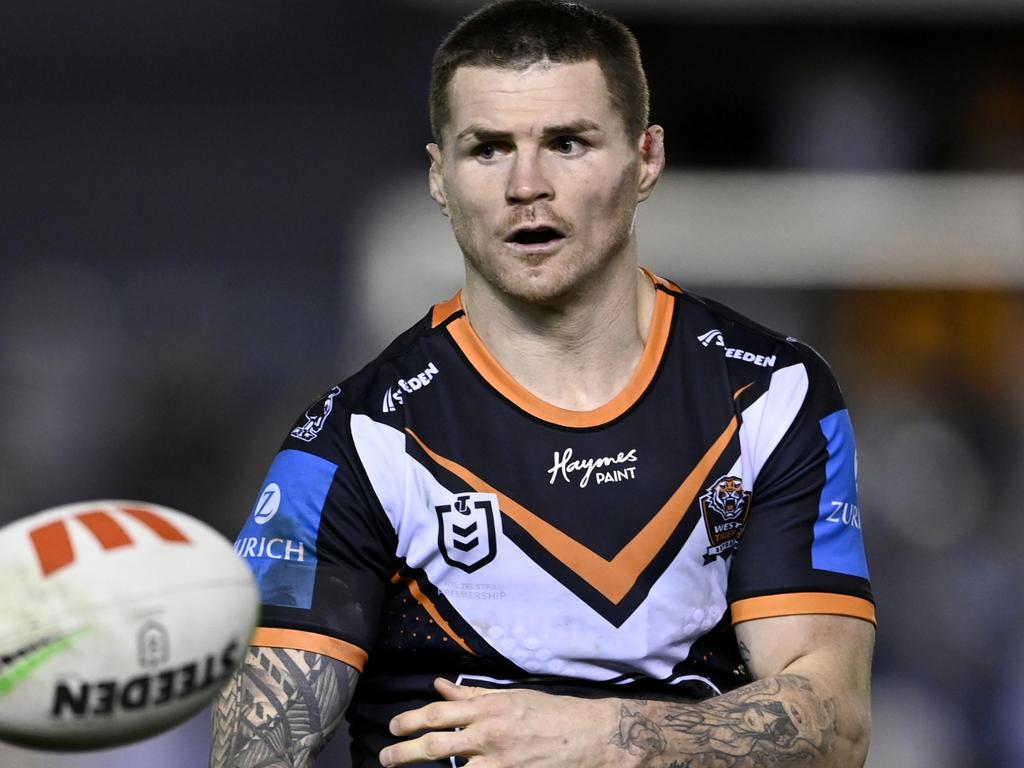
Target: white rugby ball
118,620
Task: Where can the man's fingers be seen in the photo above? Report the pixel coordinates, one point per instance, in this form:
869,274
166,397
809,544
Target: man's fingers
435,745
438,715
453,692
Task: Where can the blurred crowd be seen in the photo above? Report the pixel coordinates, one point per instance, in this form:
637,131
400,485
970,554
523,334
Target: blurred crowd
178,280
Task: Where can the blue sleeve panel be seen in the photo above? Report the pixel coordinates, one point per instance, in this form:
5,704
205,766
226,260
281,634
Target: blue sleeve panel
838,542
279,539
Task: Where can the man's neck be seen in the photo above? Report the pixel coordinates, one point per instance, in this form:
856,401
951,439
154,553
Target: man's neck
576,355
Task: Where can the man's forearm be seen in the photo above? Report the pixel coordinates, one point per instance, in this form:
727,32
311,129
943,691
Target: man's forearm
280,709
809,706
777,721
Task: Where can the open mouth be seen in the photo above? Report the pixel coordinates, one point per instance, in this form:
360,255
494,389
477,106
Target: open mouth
534,236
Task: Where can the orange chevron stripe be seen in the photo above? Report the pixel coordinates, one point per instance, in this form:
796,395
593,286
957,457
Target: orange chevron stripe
428,605
612,578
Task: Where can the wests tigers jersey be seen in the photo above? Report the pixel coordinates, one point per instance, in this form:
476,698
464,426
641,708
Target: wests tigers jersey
430,516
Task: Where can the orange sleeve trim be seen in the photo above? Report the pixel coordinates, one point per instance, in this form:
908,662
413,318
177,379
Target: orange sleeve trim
802,603
269,637
444,310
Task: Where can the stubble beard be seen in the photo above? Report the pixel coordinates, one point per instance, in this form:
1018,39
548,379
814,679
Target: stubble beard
549,281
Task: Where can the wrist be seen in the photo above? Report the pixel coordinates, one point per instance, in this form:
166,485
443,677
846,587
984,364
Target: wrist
630,739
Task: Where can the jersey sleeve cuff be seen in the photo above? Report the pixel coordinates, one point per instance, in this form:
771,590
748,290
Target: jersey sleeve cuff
272,637
796,603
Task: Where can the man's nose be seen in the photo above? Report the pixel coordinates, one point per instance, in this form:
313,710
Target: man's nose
528,180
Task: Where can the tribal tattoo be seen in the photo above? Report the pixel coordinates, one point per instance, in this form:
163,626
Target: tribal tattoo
773,722
279,709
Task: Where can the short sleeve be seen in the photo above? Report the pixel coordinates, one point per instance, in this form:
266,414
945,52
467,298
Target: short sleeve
802,550
316,544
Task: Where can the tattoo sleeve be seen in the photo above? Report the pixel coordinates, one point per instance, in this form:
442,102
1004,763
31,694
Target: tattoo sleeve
280,709
777,721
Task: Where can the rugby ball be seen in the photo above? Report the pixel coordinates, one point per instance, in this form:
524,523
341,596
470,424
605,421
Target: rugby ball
118,620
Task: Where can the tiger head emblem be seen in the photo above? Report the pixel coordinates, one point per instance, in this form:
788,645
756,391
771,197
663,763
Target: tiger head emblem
727,497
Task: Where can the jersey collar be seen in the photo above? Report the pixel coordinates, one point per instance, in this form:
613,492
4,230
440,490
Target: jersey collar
452,314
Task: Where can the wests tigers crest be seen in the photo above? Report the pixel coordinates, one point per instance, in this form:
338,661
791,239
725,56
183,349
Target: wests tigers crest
724,505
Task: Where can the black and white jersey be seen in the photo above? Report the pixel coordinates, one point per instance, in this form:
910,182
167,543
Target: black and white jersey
430,516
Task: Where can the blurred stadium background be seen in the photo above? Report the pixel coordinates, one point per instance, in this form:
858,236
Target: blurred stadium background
213,211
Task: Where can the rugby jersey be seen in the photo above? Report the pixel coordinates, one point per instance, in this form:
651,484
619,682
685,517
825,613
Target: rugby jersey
430,516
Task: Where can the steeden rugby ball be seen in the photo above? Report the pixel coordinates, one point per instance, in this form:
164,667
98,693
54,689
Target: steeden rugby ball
118,620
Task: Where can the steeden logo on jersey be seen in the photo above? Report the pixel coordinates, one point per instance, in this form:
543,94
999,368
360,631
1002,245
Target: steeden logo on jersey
715,337
606,469
394,397
725,506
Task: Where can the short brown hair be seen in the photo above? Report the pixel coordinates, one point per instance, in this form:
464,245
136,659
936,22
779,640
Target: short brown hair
514,34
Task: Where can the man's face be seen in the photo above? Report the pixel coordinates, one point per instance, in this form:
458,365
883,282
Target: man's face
539,178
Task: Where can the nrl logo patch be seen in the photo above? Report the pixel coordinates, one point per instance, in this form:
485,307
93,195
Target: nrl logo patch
316,416
466,530
724,506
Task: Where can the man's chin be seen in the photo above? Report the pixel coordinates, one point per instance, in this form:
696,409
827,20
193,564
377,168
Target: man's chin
538,285
541,281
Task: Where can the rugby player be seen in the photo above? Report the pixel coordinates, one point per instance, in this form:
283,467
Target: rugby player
576,515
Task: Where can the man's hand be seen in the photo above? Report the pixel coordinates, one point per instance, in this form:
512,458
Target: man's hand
508,727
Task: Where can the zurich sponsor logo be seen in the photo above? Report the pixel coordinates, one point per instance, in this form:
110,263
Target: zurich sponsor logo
269,503
715,337
280,535
838,543
395,396
275,548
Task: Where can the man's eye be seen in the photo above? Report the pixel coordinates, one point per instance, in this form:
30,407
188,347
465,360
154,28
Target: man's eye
486,151
567,146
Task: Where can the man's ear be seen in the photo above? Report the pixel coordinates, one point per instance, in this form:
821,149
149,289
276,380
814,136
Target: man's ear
652,160
436,178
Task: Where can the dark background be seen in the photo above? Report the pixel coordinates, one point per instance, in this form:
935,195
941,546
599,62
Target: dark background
186,188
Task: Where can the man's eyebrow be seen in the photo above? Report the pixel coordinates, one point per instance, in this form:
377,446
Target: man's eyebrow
480,133
576,126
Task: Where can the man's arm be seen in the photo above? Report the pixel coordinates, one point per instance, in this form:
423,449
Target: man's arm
279,709
809,707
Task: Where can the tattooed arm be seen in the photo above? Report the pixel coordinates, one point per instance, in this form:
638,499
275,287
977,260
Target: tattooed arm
280,709
808,707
